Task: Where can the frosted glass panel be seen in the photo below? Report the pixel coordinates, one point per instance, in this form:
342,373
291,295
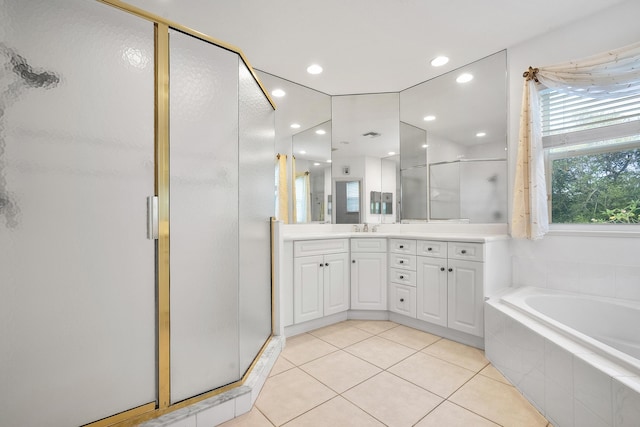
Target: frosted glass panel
256,206
77,284
204,216
414,183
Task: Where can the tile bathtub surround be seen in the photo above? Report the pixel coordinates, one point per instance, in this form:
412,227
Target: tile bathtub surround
379,373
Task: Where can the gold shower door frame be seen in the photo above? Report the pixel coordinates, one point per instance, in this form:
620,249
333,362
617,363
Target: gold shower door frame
161,185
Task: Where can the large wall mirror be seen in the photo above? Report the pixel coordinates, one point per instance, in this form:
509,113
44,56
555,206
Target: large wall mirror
435,151
303,134
453,139
365,147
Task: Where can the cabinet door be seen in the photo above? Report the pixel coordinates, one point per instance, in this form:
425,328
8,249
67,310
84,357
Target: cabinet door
336,283
368,281
402,299
307,288
466,297
432,290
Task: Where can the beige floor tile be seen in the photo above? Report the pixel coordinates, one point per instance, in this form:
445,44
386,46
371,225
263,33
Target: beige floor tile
392,400
340,370
432,374
373,326
459,354
410,337
379,351
280,366
493,373
336,412
304,348
253,418
499,402
290,394
450,415
341,337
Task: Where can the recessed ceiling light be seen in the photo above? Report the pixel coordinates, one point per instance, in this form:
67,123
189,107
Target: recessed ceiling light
391,153
278,93
439,61
329,161
303,152
316,164
295,126
425,145
481,134
314,69
321,131
464,78
429,118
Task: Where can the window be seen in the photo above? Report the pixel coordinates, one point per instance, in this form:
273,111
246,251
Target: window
301,198
353,196
592,153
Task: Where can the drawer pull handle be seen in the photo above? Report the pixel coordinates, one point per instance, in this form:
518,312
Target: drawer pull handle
441,268
401,246
353,261
401,262
464,251
451,269
401,299
402,277
326,264
321,265
429,249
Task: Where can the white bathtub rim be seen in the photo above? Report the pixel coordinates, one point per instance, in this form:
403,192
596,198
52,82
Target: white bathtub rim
620,363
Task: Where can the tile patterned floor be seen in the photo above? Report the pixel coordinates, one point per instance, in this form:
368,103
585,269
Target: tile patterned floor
379,373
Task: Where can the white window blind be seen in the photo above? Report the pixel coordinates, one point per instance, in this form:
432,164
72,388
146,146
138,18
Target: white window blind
353,196
592,122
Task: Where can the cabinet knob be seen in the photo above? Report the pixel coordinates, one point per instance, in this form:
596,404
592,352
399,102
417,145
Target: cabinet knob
402,277
464,251
429,249
326,264
401,299
353,261
321,265
401,246
441,268
451,269
401,262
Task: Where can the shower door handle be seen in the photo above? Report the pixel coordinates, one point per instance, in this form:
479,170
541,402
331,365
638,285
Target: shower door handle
152,217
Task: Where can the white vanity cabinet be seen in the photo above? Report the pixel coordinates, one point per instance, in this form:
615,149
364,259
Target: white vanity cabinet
368,273
320,278
402,276
450,277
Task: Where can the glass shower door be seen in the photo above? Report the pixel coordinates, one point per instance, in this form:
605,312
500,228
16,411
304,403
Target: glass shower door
77,274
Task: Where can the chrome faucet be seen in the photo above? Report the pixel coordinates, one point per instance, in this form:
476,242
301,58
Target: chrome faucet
365,227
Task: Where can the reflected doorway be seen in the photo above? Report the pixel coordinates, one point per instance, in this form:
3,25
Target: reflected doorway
348,202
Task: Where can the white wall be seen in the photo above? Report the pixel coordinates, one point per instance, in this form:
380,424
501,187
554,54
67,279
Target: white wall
587,263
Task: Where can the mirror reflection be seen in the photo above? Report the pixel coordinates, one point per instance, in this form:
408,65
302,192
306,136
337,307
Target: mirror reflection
365,139
453,145
299,114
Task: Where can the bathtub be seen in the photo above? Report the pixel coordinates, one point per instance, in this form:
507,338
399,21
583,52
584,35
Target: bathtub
575,357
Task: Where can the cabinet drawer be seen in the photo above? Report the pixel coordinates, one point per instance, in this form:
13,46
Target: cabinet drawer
401,246
368,245
402,299
402,261
404,277
465,250
432,248
320,246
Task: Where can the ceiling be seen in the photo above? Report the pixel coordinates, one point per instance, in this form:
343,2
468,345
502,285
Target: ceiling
369,46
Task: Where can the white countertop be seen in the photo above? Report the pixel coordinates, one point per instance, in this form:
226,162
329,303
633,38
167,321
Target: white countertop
455,237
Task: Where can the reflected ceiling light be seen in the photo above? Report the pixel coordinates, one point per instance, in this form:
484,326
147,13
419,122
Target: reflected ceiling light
391,153
316,164
303,152
429,118
425,145
278,93
481,134
314,69
321,131
464,78
329,161
439,61
295,126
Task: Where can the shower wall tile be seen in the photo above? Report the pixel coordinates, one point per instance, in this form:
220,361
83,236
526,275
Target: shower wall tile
626,402
564,276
